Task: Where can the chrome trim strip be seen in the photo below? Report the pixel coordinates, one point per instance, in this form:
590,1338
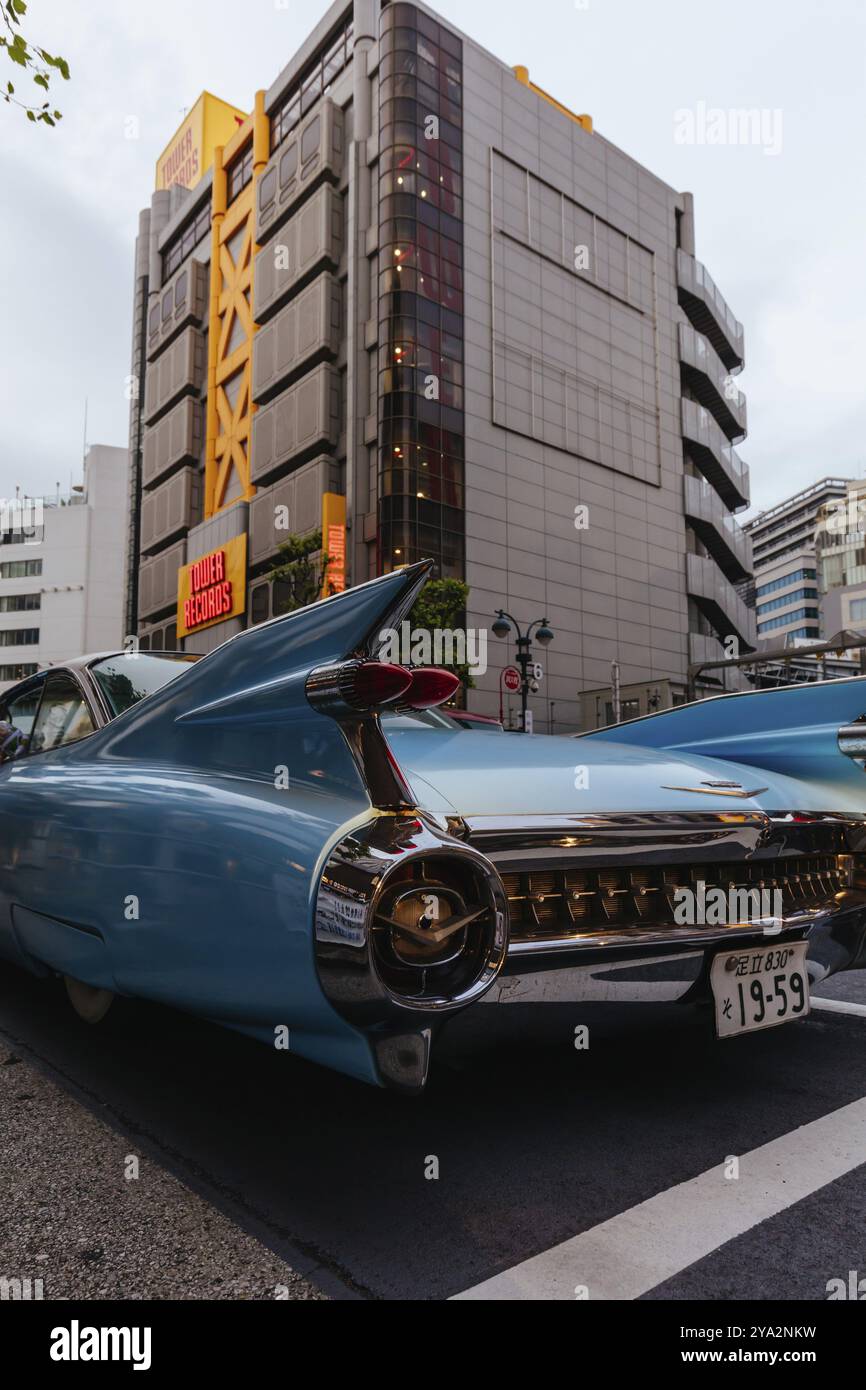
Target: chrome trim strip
669,936
741,793
657,836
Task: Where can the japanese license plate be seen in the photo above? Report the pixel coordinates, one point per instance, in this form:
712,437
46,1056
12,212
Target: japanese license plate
759,987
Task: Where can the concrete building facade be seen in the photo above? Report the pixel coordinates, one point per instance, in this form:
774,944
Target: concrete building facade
61,570
419,305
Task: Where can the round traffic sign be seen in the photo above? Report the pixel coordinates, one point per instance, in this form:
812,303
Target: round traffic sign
511,678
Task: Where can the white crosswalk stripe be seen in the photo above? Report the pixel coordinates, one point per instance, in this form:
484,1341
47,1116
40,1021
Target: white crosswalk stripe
640,1248
838,1006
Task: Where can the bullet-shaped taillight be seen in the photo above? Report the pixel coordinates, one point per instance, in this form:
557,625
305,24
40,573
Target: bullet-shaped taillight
367,687
356,687
429,686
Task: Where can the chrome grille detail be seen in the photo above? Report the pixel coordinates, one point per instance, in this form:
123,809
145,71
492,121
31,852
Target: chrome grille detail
564,901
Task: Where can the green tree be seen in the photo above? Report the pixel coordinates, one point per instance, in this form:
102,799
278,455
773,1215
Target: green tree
38,62
442,604
301,567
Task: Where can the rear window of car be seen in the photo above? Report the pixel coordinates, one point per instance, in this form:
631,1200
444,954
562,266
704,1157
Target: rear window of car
124,680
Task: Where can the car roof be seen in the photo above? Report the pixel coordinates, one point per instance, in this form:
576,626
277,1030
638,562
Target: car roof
80,663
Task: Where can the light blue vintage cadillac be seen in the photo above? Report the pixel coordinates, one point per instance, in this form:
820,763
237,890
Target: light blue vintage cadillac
273,837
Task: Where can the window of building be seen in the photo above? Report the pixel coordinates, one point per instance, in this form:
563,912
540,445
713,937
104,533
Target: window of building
798,613
19,637
260,604
311,90
775,584
629,709
20,569
239,173
18,673
185,240
857,610
20,603
180,289
289,164
775,603
268,188
284,598
313,82
310,140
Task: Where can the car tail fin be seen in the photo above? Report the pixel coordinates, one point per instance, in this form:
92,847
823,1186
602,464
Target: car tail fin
254,673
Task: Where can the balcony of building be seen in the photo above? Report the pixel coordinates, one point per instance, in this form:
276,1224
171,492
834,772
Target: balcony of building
720,533
718,600
705,374
720,464
708,310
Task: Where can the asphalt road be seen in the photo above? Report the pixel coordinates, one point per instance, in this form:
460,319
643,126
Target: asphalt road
273,1173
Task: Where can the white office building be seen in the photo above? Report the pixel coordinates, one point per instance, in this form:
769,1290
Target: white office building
61,569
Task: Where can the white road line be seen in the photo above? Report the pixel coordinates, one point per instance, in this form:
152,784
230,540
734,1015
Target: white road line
635,1251
838,1006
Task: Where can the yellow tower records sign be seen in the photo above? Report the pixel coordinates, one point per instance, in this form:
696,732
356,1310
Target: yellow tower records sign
189,153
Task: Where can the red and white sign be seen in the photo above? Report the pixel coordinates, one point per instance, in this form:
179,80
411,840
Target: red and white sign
511,678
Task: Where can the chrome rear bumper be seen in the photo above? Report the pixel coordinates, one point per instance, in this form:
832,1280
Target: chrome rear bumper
678,974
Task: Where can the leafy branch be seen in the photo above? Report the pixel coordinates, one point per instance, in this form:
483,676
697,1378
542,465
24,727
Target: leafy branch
442,605
299,571
38,62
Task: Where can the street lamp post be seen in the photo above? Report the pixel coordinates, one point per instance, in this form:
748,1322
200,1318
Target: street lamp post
502,626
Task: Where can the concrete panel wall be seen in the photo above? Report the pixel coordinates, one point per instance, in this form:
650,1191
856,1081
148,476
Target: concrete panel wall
301,421
314,151
177,371
158,580
178,436
291,506
310,239
172,507
183,300
307,329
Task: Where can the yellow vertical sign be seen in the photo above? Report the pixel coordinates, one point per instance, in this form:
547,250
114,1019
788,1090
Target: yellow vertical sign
334,543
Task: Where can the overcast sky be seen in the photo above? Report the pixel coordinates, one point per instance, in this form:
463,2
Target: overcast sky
780,224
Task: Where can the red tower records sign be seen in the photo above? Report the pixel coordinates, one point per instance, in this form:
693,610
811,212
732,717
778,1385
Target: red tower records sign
212,588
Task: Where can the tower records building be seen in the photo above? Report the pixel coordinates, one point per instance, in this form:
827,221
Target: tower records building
414,302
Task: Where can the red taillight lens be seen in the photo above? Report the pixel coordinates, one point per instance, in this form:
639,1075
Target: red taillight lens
362,687
375,683
430,686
